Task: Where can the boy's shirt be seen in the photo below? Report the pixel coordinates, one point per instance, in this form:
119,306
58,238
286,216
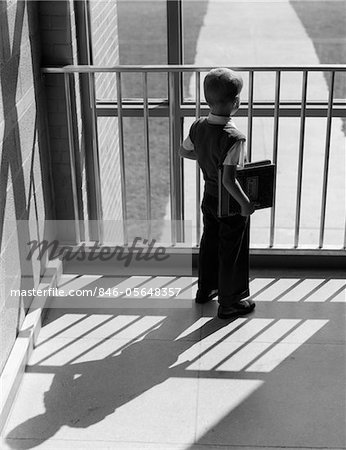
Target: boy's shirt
236,150
214,140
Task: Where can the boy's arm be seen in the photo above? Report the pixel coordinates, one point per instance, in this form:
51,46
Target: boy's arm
187,149
230,181
234,188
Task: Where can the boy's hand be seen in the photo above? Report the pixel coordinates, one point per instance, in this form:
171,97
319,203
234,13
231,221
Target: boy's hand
247,209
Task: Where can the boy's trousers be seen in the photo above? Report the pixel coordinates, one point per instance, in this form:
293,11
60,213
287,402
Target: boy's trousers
224,254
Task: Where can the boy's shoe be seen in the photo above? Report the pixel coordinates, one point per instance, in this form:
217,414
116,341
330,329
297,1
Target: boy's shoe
204,297
238,309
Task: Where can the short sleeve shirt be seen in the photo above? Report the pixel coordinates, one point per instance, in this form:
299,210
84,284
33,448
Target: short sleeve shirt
214,140
237,150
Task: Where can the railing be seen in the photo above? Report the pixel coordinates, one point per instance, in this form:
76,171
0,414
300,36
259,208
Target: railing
176,108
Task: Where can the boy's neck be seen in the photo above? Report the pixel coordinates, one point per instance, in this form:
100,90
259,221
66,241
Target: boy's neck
227,109
220,113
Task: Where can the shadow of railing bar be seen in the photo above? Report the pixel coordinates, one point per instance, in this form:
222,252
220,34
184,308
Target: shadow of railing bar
62,330
83,335
122,347
262,352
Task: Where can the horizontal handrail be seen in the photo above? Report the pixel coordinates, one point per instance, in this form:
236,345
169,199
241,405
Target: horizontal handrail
189,68
160,108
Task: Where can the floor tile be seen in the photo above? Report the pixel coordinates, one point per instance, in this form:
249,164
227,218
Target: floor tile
161,376
97,398
297,404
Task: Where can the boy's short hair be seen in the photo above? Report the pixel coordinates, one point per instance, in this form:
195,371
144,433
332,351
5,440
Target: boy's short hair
222,85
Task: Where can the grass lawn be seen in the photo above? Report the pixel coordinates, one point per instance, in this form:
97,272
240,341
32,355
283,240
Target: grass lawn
142,40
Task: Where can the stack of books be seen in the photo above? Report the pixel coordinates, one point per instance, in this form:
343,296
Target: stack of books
257,181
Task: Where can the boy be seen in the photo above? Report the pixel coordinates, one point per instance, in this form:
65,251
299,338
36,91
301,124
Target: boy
224,248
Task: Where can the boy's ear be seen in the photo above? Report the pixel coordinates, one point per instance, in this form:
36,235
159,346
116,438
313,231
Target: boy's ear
236,102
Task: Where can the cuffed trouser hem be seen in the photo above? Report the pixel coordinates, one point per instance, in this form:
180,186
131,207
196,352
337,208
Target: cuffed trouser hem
230,300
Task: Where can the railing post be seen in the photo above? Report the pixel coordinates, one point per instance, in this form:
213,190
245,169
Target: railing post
175,56
198,169
122,157
301,158
90,133
174,32
71,147
275,153
250,115
326,160
96,220
147,152
176,178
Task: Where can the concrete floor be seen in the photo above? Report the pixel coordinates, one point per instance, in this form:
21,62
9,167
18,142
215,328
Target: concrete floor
166,374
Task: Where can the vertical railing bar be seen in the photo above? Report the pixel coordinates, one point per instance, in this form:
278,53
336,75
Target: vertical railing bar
275,152
71,153
198,170
122,156
96,163
250,115
171,158
175,56
146,149
300,158
345,235
326,159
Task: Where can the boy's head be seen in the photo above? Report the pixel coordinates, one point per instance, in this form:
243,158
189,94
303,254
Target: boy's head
221,90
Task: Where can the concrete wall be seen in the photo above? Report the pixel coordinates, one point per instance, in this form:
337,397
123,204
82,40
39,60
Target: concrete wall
35,166
25,182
